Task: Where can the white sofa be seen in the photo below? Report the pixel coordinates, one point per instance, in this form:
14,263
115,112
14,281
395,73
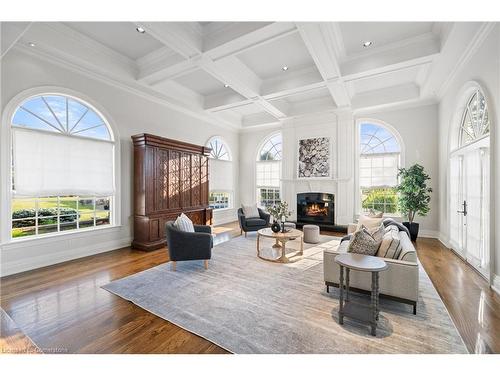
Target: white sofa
399,282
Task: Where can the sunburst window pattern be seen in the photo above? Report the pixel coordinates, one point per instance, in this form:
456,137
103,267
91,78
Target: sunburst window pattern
219,150
475,120
60,114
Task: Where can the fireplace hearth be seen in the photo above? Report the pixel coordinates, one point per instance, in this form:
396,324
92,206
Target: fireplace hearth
316,208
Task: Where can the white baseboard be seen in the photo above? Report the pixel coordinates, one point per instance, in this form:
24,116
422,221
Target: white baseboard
496,284
29,263
428,233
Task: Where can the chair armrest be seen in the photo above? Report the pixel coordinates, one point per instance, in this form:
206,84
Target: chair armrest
202,228
264,215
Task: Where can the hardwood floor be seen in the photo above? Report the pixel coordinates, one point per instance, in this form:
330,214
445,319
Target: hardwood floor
62,308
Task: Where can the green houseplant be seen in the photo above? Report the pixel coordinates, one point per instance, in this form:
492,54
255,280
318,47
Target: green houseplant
414,196
280,212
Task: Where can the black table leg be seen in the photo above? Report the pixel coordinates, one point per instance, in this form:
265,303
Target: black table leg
373,322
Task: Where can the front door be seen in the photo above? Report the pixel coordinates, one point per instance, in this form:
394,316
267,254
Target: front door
469,194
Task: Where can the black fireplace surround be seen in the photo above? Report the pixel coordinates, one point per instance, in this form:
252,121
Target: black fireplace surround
316,208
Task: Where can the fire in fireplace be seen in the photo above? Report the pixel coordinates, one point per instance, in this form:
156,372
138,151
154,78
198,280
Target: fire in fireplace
317,208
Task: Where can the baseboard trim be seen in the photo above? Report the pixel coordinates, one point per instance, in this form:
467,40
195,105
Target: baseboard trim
425,233
23,265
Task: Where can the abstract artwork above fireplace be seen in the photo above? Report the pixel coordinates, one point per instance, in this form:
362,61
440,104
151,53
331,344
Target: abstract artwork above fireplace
314,158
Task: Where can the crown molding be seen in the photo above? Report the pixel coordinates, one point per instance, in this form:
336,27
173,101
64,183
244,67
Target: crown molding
131,87
485,29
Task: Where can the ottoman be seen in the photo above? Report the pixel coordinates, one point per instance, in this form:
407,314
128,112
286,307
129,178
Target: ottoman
311,233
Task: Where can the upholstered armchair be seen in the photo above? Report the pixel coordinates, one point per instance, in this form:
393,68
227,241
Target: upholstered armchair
253,224
195,245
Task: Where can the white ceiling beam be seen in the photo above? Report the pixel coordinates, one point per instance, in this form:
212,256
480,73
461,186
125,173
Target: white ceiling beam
182,37
322,41
10,34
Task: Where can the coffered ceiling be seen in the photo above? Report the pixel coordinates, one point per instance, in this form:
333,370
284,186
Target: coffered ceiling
245,74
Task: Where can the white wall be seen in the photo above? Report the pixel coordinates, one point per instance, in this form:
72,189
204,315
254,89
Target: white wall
132,114
418,128
483,67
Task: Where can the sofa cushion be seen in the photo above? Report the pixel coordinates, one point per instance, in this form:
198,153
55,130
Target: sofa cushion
363,242
369,222
408,253
255,222
390,246
184,223
250,211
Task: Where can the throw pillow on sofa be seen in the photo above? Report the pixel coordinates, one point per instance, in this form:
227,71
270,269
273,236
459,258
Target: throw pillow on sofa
390,246
363,242
184,223
250,211
369,222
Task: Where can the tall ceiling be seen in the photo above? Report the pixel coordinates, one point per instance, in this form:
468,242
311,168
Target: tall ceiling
233,73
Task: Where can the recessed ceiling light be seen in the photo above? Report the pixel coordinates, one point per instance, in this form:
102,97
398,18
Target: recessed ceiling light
31,44
226,85
140,29
284,68
367,43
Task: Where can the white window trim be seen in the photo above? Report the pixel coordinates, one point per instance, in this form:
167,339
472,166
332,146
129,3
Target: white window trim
357,199
256,160
230,202
6,160
228,149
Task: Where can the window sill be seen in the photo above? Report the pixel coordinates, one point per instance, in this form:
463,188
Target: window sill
52,237
222,209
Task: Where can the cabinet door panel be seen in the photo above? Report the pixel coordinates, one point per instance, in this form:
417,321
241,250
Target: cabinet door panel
174,179
204,180
185,180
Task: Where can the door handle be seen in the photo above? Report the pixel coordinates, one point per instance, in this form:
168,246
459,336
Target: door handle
464,209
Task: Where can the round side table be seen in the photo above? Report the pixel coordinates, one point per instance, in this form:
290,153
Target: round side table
361,312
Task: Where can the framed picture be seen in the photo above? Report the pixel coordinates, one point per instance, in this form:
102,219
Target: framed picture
314,158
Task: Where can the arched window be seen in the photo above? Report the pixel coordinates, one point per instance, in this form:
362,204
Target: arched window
379,161
219,149
62,166
221,174
475,120
268,171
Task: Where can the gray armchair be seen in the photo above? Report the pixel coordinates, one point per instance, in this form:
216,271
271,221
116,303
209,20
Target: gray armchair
253,224
195,245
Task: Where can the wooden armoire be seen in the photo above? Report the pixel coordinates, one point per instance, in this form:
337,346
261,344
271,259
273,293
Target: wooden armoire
170,177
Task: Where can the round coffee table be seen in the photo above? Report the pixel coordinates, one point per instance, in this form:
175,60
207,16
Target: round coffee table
281,239
363,263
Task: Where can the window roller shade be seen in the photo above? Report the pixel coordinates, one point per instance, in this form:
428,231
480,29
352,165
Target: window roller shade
54,164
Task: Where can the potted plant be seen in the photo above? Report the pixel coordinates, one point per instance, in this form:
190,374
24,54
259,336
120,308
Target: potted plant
414,196
279,212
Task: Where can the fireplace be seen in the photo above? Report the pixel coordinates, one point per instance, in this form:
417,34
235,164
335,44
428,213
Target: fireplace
316,208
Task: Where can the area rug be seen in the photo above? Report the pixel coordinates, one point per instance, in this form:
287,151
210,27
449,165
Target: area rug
247,305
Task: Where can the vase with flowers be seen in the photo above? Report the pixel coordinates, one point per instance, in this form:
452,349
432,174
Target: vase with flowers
280,213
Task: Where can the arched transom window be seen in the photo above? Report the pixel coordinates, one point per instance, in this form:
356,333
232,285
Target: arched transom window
268,171
219,149
62,167
475,120
379,161
61,114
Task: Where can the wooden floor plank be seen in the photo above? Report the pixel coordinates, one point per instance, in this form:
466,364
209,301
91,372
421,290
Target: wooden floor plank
62,308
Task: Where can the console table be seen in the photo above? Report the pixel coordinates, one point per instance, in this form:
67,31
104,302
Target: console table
364,263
